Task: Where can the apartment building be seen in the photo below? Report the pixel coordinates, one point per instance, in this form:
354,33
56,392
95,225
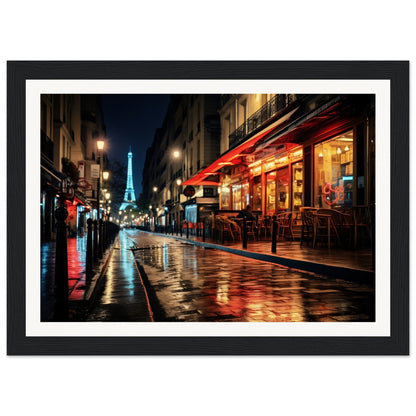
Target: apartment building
64,160
187,142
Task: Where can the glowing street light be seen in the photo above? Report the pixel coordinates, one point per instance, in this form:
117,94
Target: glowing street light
100,145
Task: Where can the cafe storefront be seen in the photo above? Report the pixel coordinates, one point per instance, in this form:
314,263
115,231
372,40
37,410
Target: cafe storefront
321,159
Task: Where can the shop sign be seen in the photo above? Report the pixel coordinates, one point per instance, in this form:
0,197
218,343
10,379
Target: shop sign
189,191
84,184
81,169
95,171
296,154
269,166
282,161
67,189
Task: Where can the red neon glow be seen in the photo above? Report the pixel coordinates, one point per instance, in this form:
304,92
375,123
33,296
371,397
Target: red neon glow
228,157
337,191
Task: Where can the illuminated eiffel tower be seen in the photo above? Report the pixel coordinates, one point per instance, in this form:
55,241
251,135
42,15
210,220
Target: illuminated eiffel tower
129,196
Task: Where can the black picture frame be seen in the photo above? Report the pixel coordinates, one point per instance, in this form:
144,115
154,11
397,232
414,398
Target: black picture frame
18,72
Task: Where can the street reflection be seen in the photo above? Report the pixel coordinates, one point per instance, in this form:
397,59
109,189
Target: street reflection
113,284
196,284
76,260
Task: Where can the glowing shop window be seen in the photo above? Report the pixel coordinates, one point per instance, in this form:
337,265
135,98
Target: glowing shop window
236,197
245,196
334,172
282,189
271,193
225,197
257,193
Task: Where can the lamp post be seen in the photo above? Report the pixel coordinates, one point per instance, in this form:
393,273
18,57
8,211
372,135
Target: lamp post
107,197
100,147
155,188
106,175
176,210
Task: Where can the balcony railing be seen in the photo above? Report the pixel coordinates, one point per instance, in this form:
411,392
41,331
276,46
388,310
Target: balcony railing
266,112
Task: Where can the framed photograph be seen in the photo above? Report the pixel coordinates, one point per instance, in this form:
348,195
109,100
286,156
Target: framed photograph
303,258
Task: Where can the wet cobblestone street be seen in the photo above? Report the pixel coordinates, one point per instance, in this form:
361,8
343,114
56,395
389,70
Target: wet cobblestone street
204,285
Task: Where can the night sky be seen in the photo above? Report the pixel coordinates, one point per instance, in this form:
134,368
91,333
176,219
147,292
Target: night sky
131,119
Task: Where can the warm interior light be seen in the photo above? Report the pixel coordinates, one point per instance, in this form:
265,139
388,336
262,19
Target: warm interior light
346,148
339,150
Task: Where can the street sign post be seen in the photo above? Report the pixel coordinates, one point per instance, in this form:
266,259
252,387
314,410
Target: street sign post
189,191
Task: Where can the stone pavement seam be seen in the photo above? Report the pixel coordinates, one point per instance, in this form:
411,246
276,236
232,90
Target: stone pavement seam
141,273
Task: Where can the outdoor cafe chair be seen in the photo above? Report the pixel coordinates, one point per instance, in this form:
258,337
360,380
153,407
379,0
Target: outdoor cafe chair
224,228
307,224
325,223
284,225
362,220
265,226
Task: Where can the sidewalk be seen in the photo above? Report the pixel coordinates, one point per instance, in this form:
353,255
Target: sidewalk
117,262
354,265
76,248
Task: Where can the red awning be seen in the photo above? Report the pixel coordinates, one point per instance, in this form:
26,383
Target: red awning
232,156
274,134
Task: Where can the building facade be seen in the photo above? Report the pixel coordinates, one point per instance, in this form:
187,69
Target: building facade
187,142
280,152
65,158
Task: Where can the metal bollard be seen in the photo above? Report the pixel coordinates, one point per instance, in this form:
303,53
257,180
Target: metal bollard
95,224
61,263
187,229
274,234
244,233
88,260
100,240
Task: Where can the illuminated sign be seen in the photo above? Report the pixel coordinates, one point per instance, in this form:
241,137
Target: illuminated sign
189,191
333,194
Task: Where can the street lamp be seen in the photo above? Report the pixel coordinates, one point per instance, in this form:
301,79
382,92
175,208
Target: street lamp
100,144
106,174
100,147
